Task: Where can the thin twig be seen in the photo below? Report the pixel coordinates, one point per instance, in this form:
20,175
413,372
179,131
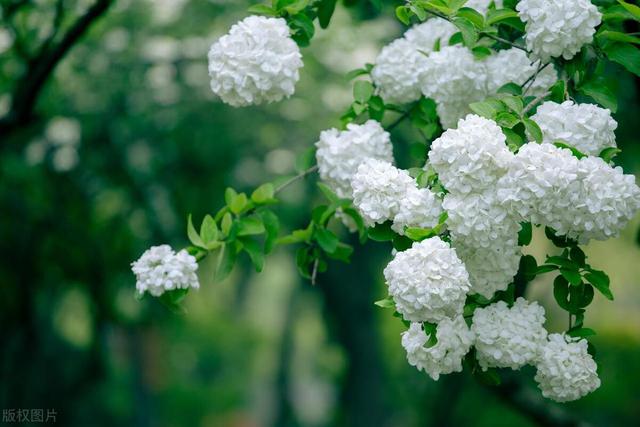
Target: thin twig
535,102
314,272
529,83
295,178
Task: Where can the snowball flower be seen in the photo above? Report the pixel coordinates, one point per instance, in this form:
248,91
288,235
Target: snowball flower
454,79
341,152
445,357
557,28
490,269
428,282
256,62
508,337
587,127
482,6
471,157
479,218
378,187
160,269
419,207
397,72
566,371
427,35
514,66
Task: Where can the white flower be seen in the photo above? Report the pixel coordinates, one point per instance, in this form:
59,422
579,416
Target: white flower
479,219
513,66
419,207
160,269
378,187
397,72
427,35
341,152
558,27
490,269
482,6
566,371
256,62
454,341
454,79
471,157
582,199
587,127
508,337
428,282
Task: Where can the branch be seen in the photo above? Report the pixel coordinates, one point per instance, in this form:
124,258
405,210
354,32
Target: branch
535,102
295,178
30,85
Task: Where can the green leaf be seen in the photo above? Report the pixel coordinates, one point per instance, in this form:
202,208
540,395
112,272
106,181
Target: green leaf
619,37
511,88
600,281
561,293
209,230
525,234
528,267
303,27
342,253
581,332
558,91
226,259
229,195
362,91
193,235
254,249
577,153
625,55
401,243
328,192
631,8
403,14
385,303
481,52
472,16
382,232
572,276
226,223
499,15
601,94
507,120
562,262
356,73
238,203
581,296
325,12
357,219
306,160
468,30
546,268
609,153
327,240
419,234
262,9
488,109
533,129
263,194
272,227
559,241
172,299
577,255
250,226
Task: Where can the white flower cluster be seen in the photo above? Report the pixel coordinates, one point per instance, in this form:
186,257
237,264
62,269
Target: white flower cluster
454,339
160,269
582,199
482,6
514,66
341,152
566,371
587,127
256,62
419,207
508,337
428,282
430,34
557,28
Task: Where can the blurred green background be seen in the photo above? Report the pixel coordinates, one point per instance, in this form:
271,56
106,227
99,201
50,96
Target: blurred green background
126,140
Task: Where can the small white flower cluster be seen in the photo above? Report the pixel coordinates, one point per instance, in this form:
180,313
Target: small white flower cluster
508,337
566,371
454,339
256,62
557,28
428,35
428,282
160,269
341,152
581,198
587,127
514,66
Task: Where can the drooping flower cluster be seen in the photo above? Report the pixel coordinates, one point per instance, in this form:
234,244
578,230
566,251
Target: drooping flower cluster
586,127
557,28
341,152
256,62
581,198
566,371
508,337
454,339
428,282
160,269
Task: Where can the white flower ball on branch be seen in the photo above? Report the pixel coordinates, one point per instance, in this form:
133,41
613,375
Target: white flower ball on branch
508,337
160,269
427,35
587,127
428,282
454,341
256,62
341,152
453,79
397,72
557,28
490,269
419,207
514,66
471,157
378,187
566,371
